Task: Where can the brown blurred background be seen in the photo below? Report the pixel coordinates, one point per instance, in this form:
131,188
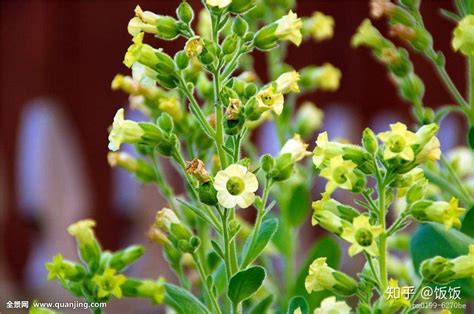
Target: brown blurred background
67,52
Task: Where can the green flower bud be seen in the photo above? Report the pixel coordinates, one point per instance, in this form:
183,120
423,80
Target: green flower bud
265,38
412,88
322,277
165,122
153,290
422,40
206,58
167,27
185,12
241,6
230,44
267,162
284,166
181,60
369,141
426,133
417,192
165,64
250,90
195,242
233,127
436,269
123,258
143,171
238,86
240,26
207,194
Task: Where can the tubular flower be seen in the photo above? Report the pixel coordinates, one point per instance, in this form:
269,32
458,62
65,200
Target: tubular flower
331,306
328,77
321,277
109,283
288,82
398,142
235,185
193,47
136,26
431,151
165,218
124,131
463,36
60,269
82,230
155,290
269,99
309,118
442,212
339,173
171,106
362,235
296,147
463,266
320,26
218,3
325,150
367,35
289,28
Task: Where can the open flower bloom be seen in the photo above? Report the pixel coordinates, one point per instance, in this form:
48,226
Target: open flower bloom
165,218
124,131
193,47
463,38
362,235
155,290
289,28
296,147
109,283
331,306
235,185
339,173
398,142
367,35
269,99
60,269
320,26
82,230
442,212
321,277
431,151
218,3
325,150
136,26
328,77
288,82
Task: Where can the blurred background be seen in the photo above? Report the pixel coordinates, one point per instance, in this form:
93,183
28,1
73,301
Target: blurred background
58,59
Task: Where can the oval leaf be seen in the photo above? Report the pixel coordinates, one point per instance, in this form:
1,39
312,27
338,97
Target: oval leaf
298,303
470,137
265,234
183,301
245,283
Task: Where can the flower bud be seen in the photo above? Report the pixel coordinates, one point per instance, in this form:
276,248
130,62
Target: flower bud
267,162
250,89
368,35
185,12
441,212
153,290
417,191
322,277
308,119
139,167
241,6
327,219
156,235
230,44
181,60
412,88
87,245
197,169
284,166
123,258
207,194
462,36
167,220
435,269
165,122
240,26
265,38
369,141
165,25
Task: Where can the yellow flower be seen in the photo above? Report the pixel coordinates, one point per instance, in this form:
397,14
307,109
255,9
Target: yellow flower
339,173
328,77
82,230
309,118
442,212
218,3
320,26
330,306
269,99
289,28
398,142
296,147
109,283
362,235
463,266
431,151
367,35
56,268
463,36
325,217
325,150
235,185
123,131
193,47
136,26
400,296
171,106
320,276
288,82
134,51
155,290
165,218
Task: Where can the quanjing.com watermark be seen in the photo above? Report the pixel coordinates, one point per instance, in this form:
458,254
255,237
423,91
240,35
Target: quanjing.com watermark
432,297
22,304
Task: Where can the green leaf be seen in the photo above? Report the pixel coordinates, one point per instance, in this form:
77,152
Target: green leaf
217,249
182,301
324,247
262,306
470,137
432,240
265,234
298,303
468,223
245,283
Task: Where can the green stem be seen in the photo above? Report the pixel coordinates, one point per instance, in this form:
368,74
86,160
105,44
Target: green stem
233,248
383,238
373,270
415,296
455,178
471,89
225,229
202,274
219,133
164,188
396,224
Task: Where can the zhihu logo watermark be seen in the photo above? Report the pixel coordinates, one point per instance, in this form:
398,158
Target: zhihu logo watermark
439,297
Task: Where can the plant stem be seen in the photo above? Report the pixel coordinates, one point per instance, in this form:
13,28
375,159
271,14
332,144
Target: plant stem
202,274
455,178
415,296
225,229
372,268
470,72
383,238
219,133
